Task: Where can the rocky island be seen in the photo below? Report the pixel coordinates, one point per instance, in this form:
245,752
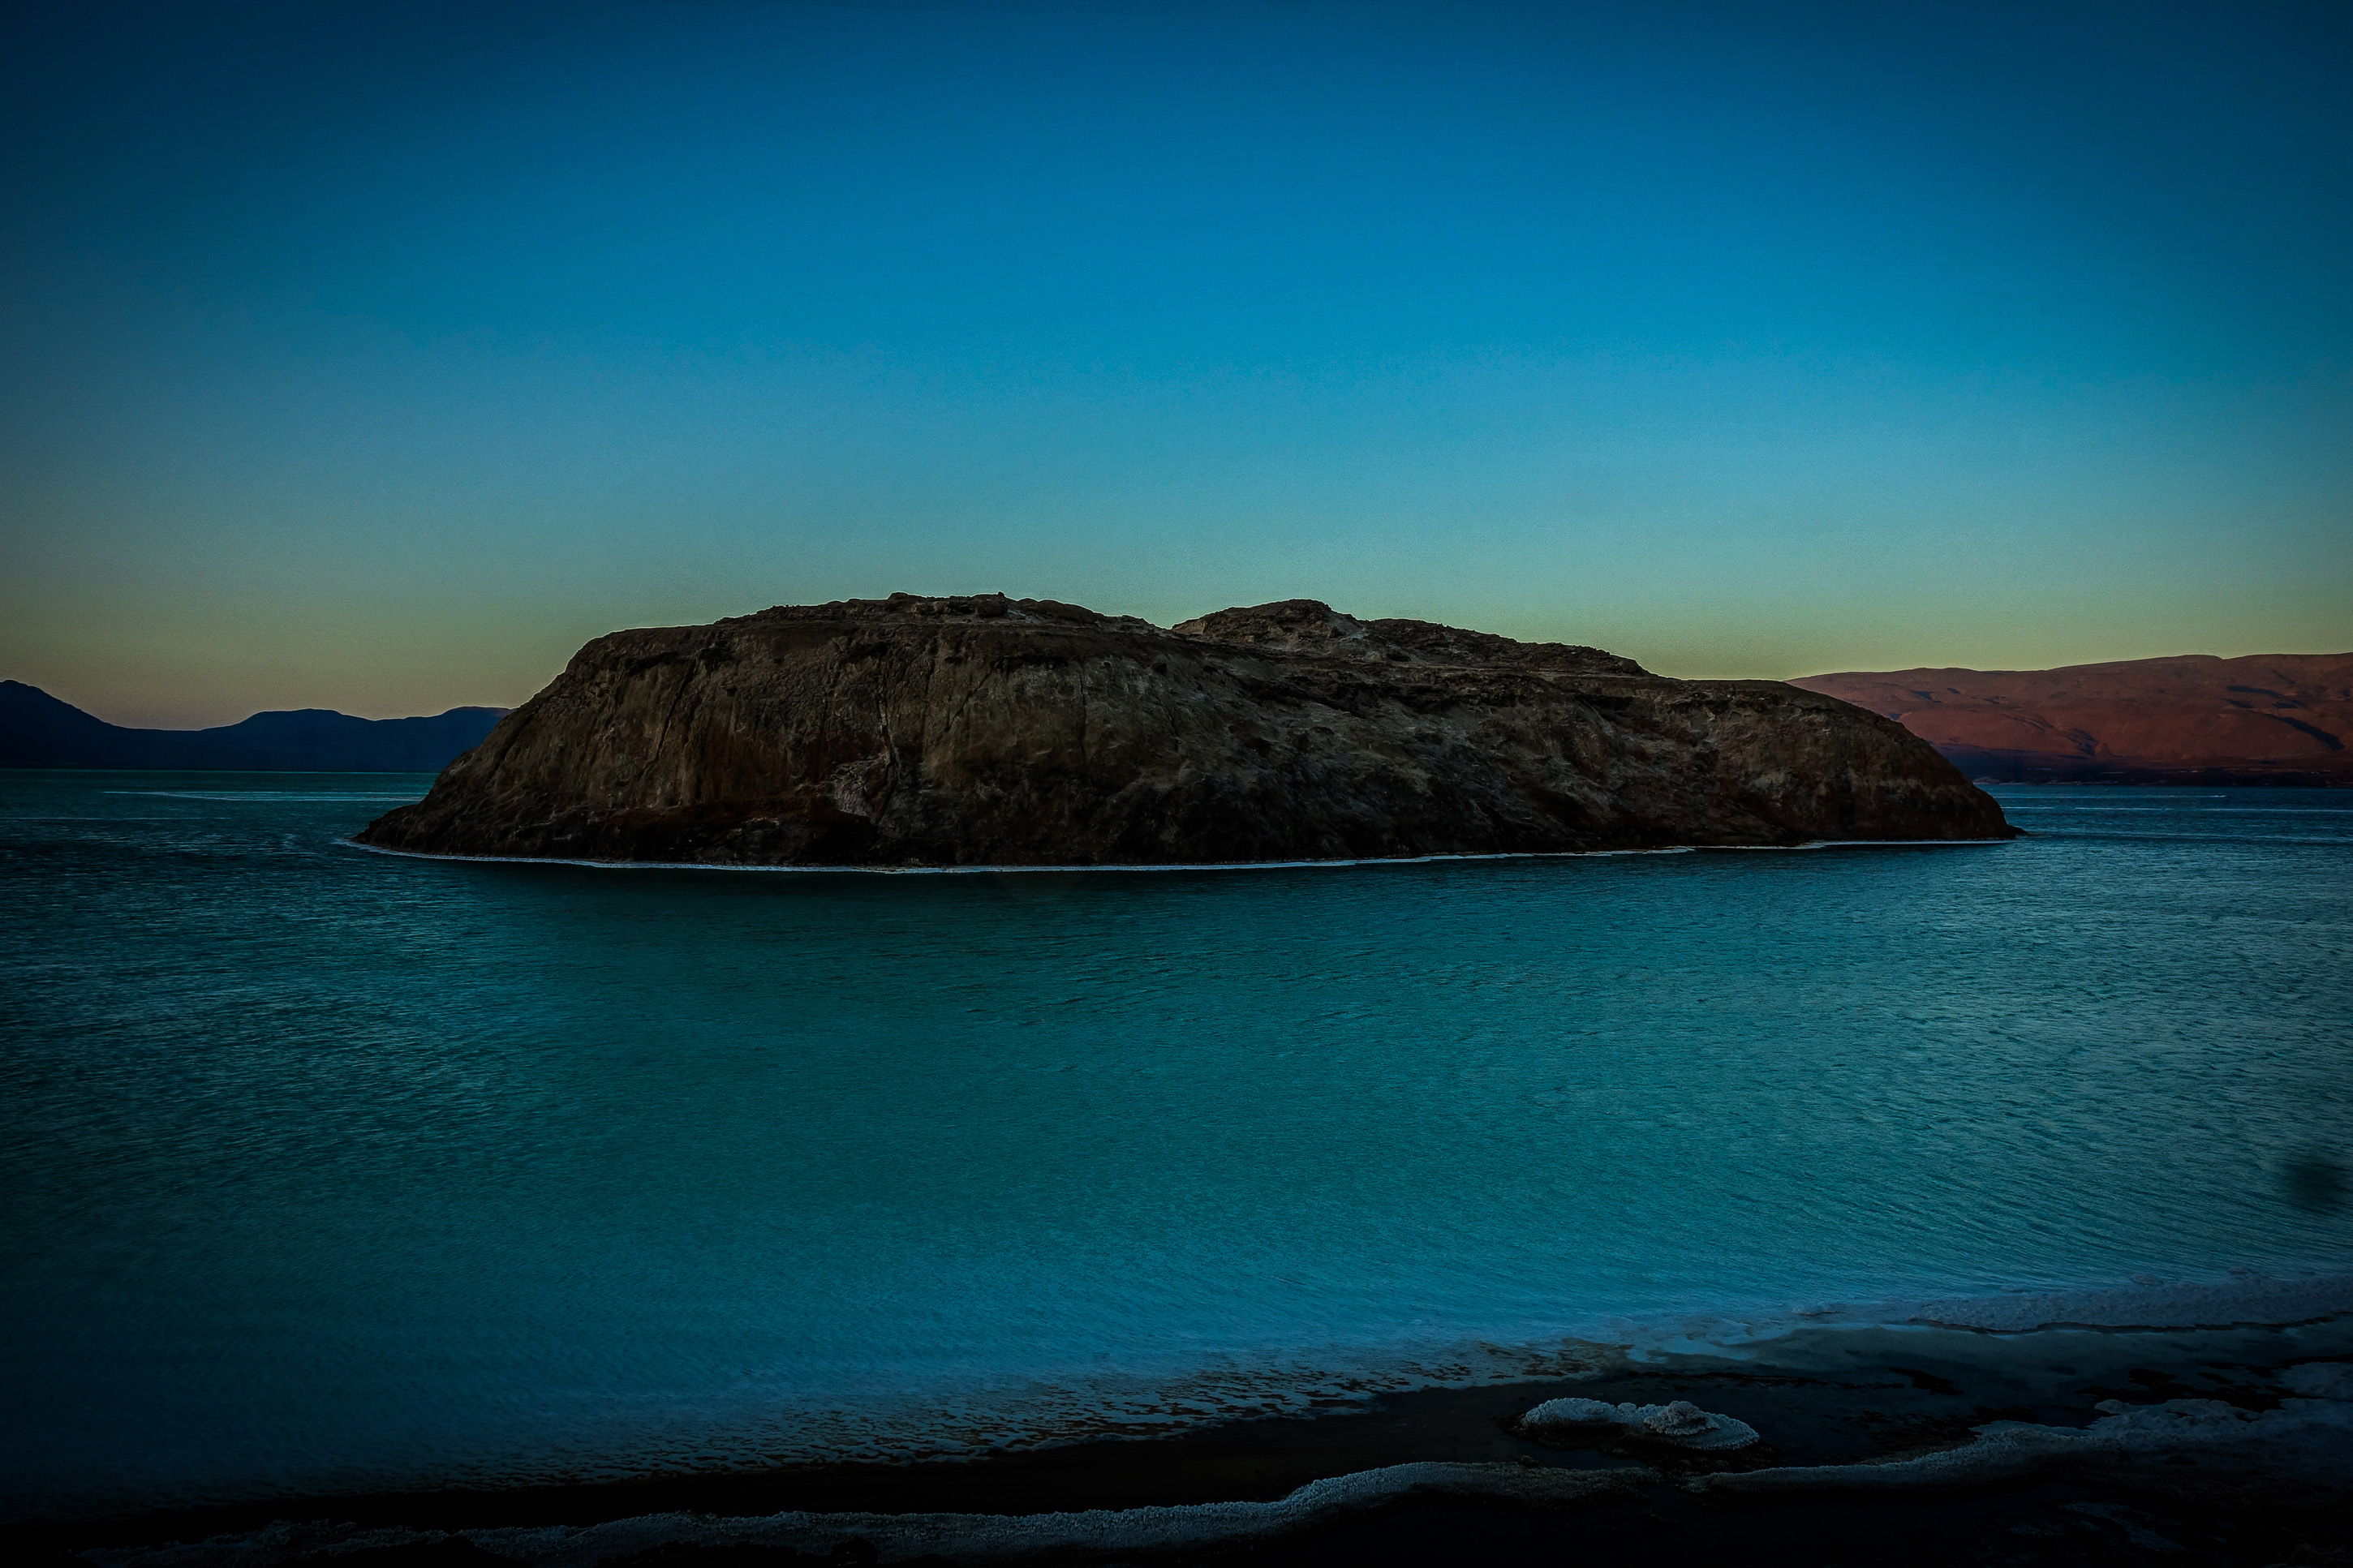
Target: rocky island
984,730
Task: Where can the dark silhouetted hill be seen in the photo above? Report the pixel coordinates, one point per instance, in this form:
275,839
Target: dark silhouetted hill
2274,717
37,730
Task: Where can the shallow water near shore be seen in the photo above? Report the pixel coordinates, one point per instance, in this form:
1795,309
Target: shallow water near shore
335,1170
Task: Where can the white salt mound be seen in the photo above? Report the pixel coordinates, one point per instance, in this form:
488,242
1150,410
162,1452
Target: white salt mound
1680,1423
2300,1455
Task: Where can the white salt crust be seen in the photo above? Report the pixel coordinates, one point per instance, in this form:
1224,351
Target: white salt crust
2299,1455
1678,1424
1184,866
1132,1534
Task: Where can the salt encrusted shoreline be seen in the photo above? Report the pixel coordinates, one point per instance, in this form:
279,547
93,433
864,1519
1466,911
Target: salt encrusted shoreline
2299,1453
2251,1426
1176,866
2299,1456
1142,1534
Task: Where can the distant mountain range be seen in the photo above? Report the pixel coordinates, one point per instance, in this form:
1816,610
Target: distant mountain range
2278,719
37,730
2281,719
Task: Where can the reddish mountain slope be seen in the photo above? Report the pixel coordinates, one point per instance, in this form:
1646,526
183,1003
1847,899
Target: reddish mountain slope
2274,717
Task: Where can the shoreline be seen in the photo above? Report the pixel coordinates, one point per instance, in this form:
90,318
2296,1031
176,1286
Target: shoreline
1873,1398
349,843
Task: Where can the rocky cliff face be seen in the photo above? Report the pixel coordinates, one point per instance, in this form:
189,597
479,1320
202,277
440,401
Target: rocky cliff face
985,731
2278,718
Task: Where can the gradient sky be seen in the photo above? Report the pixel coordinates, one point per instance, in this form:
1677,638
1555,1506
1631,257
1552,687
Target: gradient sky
375,357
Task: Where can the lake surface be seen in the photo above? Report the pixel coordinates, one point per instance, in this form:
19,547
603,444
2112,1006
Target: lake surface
328,1169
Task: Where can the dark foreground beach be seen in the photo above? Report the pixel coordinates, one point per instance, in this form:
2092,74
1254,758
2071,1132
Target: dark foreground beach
2224,1446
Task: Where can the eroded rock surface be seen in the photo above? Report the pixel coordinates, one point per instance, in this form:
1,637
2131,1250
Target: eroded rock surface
987,731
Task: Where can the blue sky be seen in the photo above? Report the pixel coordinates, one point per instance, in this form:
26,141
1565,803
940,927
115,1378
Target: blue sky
376,359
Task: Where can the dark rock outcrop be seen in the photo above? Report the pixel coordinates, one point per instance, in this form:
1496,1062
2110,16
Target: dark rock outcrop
2265,718
985,731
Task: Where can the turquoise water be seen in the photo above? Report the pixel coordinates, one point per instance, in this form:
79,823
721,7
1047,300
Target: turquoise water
329,1169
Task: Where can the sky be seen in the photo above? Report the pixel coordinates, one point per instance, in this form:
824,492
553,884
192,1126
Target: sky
376,357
